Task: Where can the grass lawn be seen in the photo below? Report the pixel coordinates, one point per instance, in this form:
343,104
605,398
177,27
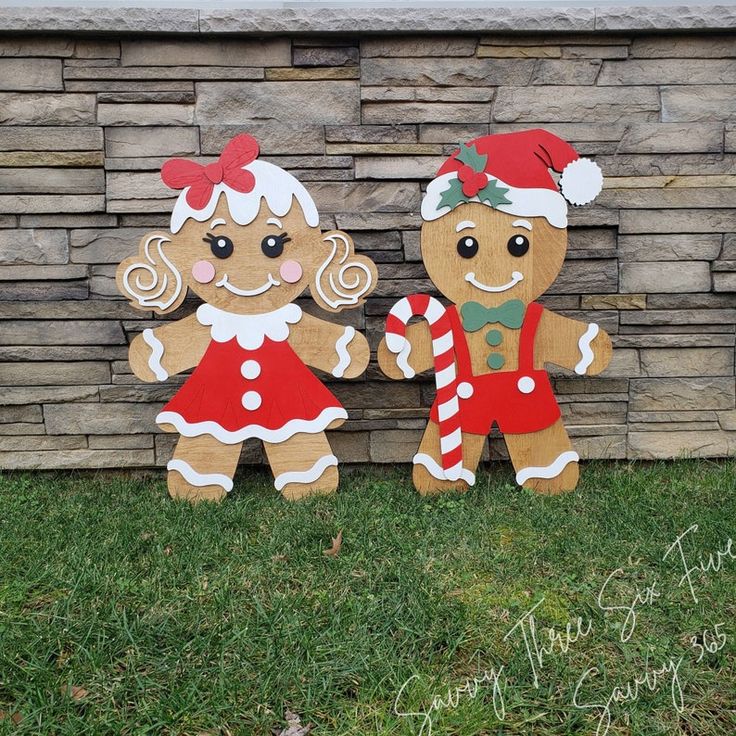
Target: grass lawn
122,612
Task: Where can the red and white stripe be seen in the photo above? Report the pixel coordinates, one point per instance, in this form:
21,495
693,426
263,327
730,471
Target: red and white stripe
443,351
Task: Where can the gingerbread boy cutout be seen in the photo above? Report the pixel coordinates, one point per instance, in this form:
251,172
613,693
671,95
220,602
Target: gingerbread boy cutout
493,240
245,238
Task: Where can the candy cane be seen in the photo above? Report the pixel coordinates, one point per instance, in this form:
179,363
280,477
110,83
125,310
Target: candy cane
445,376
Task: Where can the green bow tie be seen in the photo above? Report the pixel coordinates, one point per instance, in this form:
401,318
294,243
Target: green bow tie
510,314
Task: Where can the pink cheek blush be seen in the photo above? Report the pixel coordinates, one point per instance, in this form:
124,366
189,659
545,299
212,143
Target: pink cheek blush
291,271
203,271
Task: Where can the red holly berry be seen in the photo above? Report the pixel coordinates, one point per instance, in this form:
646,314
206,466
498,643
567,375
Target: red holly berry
473,181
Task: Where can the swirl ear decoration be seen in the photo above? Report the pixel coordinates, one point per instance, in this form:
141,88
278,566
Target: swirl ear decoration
153,282
344,279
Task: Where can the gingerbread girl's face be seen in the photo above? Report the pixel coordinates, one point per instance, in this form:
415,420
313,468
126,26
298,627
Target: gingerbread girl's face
248,269
478,253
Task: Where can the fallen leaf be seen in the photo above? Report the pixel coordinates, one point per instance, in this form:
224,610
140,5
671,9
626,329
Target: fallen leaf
334,551
294,727
15,717
75,692
167,551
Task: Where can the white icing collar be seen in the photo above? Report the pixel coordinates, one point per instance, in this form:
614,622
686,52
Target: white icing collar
249,329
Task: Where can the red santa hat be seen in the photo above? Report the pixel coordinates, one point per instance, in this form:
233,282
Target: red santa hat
511,172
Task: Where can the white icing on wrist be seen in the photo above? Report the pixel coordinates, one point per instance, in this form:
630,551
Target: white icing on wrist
341,346
457,472
199,479
584,345
548,471
157,352
401,347
305,476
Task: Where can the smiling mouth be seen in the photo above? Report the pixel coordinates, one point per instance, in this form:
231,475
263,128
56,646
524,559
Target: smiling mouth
516,276
248,292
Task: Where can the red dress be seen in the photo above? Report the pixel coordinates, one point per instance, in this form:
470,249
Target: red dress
251,383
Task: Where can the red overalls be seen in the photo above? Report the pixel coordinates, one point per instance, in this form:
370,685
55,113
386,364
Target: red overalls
519,401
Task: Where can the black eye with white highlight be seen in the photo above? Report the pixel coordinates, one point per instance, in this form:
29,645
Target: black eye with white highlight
273,245
467,246
518,245
220,245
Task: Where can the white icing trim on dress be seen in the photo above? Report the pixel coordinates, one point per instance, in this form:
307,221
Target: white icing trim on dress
341,346
141,295
548,471
437,472
157,352
249,329
305,476
585,351
309,426
358,291
190,475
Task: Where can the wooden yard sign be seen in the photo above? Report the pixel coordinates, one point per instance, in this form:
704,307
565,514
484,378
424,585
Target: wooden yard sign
245,238
493,240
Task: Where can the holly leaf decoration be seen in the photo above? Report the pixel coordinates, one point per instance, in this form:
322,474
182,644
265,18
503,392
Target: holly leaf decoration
493,194
469,155
453,195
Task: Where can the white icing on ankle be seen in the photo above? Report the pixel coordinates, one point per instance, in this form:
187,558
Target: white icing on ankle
341,346
190,475
584,345
157,352
548,471
457,472
305,476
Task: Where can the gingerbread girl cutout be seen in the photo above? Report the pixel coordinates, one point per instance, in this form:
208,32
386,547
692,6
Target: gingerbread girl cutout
493,240
245,238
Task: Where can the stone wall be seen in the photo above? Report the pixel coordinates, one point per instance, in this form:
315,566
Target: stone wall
86,122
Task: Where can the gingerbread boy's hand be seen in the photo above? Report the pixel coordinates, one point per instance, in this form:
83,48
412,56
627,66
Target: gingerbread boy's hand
417,359
584,348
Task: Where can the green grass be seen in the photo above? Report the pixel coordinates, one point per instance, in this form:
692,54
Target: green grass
215,619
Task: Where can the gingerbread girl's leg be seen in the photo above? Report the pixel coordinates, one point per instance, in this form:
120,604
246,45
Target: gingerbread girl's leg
202,468
428,461
303,465
544,461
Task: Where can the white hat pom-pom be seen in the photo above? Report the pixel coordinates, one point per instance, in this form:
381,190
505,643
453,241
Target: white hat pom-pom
581,181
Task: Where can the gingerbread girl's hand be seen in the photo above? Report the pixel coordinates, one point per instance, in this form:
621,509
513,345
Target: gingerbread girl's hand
157,354
417,359
584,348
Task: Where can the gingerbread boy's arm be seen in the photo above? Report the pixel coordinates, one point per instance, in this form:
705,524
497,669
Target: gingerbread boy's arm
579,346
336,349
420,357
172,348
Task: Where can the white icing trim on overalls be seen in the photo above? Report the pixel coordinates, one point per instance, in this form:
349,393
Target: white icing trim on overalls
436,471
157,352
140,295
548,471
585,351
190,475
343,298
305,476
341,346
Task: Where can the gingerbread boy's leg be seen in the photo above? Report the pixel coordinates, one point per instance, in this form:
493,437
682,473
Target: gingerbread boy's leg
428,462
202,468
544,461
303,465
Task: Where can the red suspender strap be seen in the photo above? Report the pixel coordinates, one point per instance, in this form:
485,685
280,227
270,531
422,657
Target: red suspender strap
528,333
462,353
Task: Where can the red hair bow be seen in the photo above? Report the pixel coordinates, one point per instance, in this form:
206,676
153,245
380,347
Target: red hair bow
179,173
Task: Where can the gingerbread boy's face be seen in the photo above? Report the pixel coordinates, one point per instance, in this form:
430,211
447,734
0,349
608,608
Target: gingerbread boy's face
478,253
248,269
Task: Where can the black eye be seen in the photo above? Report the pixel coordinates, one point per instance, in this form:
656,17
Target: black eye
220,245
467,247
273,245
518,245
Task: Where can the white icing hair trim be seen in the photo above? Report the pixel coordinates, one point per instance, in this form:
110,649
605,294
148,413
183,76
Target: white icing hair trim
157,352
341,346
457,471
148,294
548,471
305,476
539,202
354,289
585,351
581,181
278,187
190,475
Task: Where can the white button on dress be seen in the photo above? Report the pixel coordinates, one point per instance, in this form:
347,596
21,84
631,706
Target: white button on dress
251,369
251,400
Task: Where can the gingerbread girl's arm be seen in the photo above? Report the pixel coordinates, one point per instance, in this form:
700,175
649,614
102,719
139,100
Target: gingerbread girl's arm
584,348
420,356
332,348
158,353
